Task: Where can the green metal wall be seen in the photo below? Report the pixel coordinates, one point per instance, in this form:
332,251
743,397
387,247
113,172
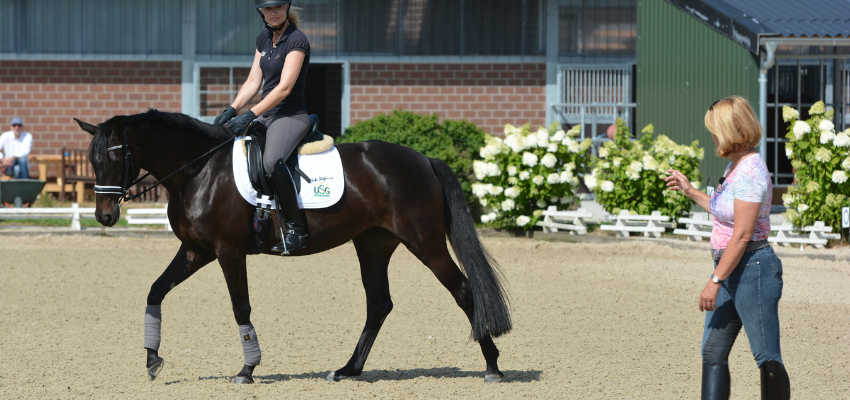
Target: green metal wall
682,67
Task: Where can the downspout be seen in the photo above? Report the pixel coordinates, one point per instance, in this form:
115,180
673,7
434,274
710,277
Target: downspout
767,60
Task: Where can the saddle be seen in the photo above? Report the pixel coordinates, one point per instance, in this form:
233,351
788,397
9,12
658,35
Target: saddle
314,142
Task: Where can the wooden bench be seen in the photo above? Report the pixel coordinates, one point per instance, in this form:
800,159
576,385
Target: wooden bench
817,235
145,216
75,170
40,213
695,229
576,218
650,225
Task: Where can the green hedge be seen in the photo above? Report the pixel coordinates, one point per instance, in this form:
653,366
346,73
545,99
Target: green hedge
455,142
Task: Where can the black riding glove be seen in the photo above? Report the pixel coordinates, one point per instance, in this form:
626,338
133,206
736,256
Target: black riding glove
240,123
225,116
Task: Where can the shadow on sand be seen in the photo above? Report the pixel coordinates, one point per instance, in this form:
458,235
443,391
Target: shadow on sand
388,375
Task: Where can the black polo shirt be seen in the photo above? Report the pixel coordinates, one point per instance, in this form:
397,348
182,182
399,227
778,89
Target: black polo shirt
271,62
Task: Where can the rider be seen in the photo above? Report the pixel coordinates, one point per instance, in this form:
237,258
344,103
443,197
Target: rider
280,66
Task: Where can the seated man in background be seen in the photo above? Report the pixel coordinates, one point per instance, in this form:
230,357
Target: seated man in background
15,146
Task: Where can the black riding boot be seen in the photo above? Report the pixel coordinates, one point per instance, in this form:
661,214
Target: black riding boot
294,236
716,382
775,384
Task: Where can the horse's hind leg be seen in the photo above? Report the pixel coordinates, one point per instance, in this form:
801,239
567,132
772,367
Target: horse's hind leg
374,249
185,263
435,255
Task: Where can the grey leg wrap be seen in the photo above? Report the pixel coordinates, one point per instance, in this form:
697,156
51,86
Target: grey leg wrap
250,344
153,327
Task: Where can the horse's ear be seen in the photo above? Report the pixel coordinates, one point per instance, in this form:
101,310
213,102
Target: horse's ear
86,126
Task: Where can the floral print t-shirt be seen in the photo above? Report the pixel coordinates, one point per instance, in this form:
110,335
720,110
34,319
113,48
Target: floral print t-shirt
750,182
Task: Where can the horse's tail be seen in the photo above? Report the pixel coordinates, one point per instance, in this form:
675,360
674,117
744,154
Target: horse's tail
490,314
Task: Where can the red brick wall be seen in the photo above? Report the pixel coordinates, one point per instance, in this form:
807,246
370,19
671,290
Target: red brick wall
48,94
489,95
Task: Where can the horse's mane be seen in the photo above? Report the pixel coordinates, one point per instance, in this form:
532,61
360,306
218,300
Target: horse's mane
154,120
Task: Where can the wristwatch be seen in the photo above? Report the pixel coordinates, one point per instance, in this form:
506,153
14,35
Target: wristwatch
715,279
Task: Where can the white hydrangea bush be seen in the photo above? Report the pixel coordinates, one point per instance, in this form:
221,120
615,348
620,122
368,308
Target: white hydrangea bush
526,172
629,175
821,160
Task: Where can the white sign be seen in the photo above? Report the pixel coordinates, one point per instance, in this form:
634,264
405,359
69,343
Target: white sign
845,217
709,190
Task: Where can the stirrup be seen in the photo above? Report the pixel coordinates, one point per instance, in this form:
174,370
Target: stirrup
293,239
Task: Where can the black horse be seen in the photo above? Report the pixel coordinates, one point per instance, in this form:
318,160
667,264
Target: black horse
392,195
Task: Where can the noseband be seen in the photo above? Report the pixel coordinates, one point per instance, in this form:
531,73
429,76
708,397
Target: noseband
124,190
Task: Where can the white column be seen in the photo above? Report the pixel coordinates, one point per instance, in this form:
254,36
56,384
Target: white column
553,90
189,85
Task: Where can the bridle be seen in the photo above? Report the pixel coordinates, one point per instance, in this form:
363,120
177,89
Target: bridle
124,190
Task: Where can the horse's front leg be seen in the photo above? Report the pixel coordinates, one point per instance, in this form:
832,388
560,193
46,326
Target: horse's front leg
185,263
235,274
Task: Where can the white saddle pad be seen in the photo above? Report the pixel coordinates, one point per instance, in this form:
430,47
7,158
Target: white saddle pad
324,169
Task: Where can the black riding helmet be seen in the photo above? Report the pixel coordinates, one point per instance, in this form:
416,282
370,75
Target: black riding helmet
269,3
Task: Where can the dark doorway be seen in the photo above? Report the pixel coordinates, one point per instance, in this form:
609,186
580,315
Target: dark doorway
323,96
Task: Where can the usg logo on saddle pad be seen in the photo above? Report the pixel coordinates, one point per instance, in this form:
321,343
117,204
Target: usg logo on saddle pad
321,188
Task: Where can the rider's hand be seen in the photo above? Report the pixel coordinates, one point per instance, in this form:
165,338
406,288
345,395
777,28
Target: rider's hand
678,181
225,116
240,123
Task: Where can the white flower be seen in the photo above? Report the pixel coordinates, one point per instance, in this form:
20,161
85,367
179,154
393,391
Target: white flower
509,129
802,207
603,152
559,136
575,181
512,192
789,113
529,159
823,154
801,128
524,175
574,131
826,125
839,177
649,163
553,179
695,184
483,202
513,180
530,141
541,203
522,220
566,199
508,205
789,152
492,216
566,176
514,141
538,180
636,166
480,189
549,160
607,186
826,136
542,134
574,147
485,218
616,161
691,152
511,170
553,147
590,181
485,169
632,174
842,140
570,166
788,200
846,163
553,199
496,190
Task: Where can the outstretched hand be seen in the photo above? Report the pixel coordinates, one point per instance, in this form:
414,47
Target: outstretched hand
678,181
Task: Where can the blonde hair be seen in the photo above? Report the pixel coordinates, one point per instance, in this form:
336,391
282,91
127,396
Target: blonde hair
293,17
734,123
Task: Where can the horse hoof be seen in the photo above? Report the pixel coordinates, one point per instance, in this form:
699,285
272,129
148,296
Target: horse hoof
333,377
493,378
155,368
243,379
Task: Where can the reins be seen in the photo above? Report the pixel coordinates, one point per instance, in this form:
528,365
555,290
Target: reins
128,166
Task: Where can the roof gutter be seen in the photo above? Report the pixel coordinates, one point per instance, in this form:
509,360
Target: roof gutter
768,57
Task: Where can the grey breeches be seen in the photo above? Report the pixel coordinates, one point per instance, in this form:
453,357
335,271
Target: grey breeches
283,135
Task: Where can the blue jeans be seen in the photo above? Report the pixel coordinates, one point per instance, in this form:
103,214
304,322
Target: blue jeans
748,298
20,168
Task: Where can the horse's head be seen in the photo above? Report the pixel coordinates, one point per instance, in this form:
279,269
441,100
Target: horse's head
114,167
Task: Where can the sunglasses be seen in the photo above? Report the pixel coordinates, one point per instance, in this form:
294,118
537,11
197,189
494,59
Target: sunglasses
17,125
717,101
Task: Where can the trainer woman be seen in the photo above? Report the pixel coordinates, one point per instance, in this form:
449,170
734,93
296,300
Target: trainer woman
747,281
280,66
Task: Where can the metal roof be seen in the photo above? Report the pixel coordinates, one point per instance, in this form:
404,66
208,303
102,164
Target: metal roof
746,21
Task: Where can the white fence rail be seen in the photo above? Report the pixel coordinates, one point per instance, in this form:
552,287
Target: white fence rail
148,216
650,225
72,212
572,221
